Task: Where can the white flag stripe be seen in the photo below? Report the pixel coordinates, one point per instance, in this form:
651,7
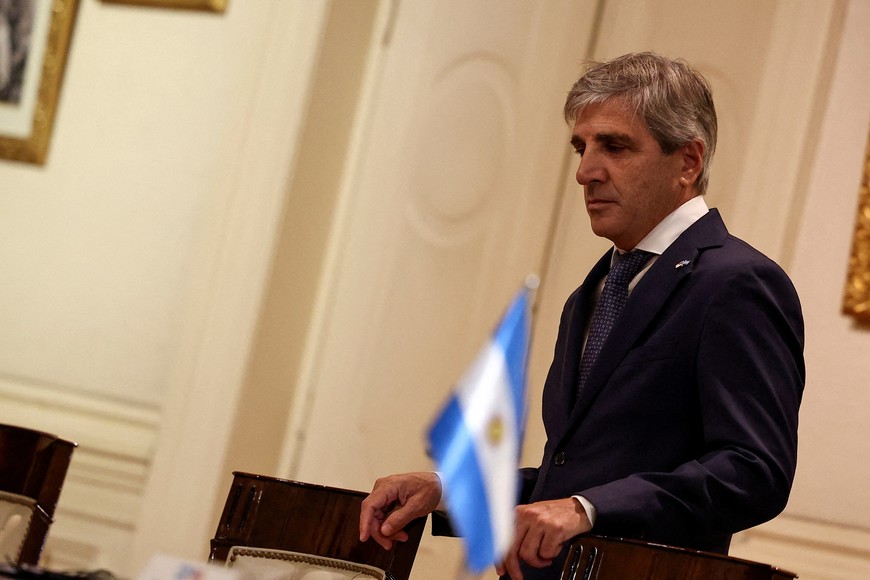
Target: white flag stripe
485,398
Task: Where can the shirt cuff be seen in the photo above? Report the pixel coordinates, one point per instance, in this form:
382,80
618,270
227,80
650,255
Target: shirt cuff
588,508
442,505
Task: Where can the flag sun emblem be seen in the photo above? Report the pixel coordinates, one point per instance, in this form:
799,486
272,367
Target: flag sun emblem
495,430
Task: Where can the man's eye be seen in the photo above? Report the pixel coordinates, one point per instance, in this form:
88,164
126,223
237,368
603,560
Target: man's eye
579,151
615,147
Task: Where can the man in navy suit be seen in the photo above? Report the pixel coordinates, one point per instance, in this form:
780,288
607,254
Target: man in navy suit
671,414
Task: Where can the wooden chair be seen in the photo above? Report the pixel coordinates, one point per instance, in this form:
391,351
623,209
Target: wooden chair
596,557
281,519
33,466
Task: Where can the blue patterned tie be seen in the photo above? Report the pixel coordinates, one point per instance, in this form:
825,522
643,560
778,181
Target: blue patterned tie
609,307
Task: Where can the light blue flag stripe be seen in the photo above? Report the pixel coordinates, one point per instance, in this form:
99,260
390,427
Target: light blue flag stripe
512,336
453,451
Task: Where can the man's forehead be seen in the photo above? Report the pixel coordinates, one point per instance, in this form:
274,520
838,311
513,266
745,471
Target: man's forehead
607,120
611,111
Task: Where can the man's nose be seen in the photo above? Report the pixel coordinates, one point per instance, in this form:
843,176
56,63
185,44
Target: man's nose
589,170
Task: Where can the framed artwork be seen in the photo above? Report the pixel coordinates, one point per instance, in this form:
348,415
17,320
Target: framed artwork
34,42
209,5
857,296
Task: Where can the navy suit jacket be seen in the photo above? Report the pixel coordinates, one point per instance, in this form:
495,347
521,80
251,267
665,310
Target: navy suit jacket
686,429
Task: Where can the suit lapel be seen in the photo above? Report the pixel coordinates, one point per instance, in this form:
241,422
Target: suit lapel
576,325
645,302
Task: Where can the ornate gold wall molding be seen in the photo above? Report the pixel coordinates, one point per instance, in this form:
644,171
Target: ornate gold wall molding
856,301
211,5
33,146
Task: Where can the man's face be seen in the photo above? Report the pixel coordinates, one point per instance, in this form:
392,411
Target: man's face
629,184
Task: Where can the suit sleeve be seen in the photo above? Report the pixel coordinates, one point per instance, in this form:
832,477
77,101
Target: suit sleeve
750,376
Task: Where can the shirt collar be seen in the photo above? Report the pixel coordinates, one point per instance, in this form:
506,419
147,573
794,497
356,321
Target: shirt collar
670,228
673,225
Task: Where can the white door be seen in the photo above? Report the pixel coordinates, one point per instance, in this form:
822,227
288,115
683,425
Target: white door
449,206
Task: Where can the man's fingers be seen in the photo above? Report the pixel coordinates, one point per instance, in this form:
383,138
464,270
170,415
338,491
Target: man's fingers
398,519
394,502
511,562
544,527
527,541
530,550
385,542
375,524
551,545
374,508
367,522
413,507
400,536
512,566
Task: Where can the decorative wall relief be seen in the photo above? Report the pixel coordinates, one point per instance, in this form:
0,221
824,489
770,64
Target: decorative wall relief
856,301
34,42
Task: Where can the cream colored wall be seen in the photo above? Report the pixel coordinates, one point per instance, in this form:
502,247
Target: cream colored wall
98,243
835,431
134,260
825,531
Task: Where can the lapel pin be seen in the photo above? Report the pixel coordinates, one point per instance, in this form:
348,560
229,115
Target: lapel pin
682,263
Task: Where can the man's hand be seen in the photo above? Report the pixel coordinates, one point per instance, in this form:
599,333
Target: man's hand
541,530
394,502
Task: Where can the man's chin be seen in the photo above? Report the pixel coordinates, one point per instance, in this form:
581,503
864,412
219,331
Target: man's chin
601,228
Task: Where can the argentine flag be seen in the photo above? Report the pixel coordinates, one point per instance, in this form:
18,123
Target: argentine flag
476,440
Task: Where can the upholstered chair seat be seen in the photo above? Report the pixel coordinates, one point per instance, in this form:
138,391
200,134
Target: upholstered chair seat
262,564
16,512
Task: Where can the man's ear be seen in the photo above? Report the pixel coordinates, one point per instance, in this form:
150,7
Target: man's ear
693,161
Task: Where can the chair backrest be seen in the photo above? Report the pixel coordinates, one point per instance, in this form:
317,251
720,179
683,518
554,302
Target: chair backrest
616,559
33,466
263,512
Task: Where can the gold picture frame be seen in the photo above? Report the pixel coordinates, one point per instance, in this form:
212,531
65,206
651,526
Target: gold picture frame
856,301
207,5
26,119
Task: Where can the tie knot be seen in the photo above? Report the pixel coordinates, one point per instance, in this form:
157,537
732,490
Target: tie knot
627,266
